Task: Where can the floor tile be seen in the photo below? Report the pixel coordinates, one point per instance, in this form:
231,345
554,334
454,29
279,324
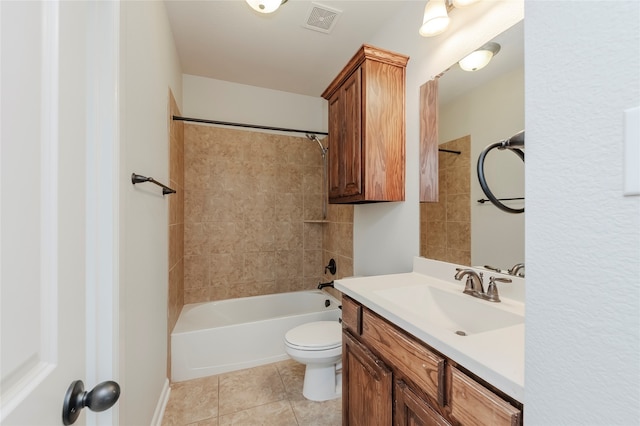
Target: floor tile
292,374
312,413
270,395
277,413
192,401
240,390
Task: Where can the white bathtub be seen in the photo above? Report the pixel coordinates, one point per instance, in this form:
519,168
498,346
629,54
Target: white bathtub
216,337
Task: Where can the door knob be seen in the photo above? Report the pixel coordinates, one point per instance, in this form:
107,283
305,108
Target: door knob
100,398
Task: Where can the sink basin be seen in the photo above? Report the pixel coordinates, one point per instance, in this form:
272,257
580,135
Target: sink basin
458,313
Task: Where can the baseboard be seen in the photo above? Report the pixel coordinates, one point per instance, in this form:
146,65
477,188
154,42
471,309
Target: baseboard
162,404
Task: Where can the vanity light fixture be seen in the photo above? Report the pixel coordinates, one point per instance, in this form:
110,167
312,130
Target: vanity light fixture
463,3
436,17
265,6
480,57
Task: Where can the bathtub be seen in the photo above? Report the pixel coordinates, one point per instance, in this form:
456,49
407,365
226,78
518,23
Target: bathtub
217,337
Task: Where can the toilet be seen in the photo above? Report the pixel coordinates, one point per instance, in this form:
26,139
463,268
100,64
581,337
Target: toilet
318,345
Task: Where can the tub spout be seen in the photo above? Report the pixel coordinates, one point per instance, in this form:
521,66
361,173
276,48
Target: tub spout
323,285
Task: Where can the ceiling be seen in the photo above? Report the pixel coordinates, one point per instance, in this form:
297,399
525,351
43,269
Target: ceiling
227,40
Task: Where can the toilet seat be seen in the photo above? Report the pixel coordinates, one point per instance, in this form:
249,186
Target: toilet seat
315,336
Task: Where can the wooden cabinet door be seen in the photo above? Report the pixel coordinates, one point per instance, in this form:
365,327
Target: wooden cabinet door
367,386
345,139
336,142
473,404
411,410
352,143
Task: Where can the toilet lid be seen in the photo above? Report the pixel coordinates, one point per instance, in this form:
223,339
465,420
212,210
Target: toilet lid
316,335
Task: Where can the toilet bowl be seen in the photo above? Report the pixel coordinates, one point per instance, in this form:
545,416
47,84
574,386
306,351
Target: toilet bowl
318,345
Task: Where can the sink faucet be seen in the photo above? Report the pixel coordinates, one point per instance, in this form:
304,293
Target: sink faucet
515,270
474,281
474,284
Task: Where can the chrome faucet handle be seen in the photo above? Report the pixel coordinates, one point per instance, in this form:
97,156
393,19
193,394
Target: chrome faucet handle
492,290
493,268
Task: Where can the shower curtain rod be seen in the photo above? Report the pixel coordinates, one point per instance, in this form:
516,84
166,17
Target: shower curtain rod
255,126
250,126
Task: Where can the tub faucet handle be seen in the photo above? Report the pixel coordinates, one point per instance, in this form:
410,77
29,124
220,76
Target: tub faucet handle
331,267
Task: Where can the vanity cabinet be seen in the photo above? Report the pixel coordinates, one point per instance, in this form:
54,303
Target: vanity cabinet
412,410
367,386
390,377
367,128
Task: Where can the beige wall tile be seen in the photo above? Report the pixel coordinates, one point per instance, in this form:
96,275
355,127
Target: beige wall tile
288,235
196,272
261,207
458,256
259,267
226,267
458,208
259,236
289,264
444,225
313,263
248,193
312,181
436,234
312,239
288,206
459,182
313,206
459,236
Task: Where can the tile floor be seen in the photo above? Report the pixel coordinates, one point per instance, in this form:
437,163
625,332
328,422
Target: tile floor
266,395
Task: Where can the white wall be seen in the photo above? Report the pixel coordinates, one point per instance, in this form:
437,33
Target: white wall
490,113
386,235
219,100
582,69
149,67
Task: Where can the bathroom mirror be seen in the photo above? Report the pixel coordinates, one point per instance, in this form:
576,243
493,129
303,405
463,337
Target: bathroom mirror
475,110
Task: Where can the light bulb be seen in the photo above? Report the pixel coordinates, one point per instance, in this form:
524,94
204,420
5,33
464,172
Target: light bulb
264,6
435,19
463,3
479,58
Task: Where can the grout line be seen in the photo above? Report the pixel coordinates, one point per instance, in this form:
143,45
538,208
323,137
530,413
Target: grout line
218,402
286,392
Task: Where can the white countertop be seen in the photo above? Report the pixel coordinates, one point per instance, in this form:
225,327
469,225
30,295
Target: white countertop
496,356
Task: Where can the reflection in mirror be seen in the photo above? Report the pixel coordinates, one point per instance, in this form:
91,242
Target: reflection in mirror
477,109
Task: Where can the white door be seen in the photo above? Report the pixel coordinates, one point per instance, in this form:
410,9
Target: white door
53,329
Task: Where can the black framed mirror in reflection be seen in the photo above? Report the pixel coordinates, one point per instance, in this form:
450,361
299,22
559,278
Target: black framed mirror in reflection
477,109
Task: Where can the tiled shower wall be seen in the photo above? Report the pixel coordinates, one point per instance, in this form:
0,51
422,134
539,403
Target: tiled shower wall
445,226
176,222
338,242
250,202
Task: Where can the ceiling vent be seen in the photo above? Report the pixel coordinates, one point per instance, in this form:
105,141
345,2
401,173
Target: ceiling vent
322,18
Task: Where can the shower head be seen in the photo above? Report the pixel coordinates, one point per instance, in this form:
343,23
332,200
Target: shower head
313,137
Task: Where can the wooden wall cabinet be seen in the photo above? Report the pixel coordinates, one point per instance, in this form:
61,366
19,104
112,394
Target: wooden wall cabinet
367,128
429,190
392,378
